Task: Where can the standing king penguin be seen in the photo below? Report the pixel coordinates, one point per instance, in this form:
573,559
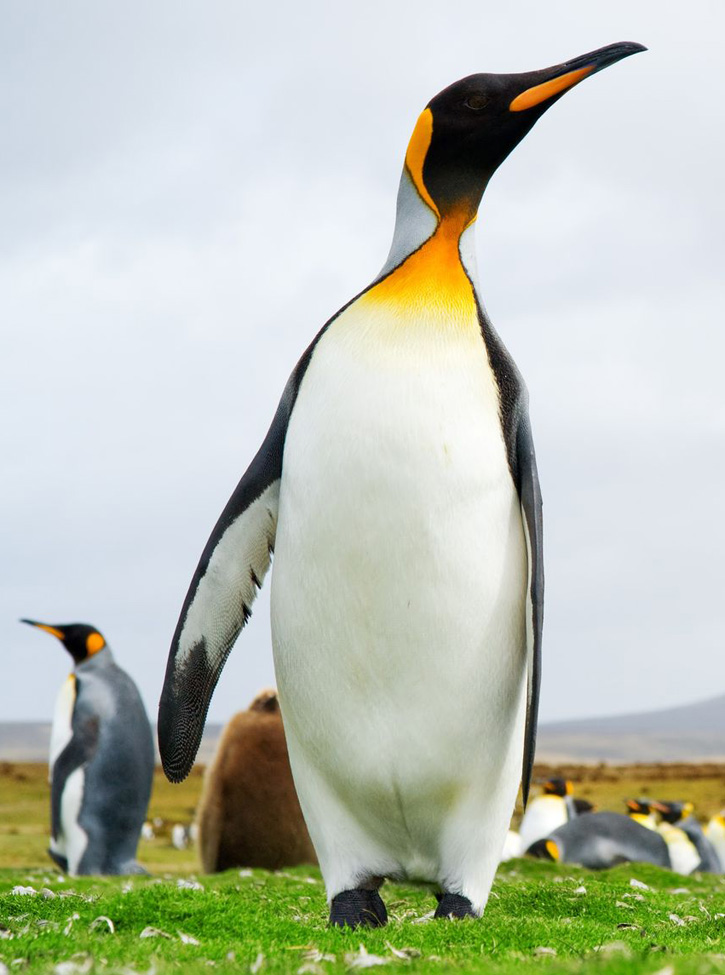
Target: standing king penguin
397,486
101,760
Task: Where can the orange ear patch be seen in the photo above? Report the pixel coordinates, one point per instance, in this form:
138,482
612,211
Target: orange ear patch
552,849
94,643
539,93
415,156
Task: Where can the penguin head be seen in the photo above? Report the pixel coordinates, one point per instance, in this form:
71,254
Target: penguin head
469,128
673,811
266,701
545,849
557,787
80,640
639,807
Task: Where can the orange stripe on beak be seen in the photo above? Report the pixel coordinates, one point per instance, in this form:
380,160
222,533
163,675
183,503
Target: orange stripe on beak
540,93
50,629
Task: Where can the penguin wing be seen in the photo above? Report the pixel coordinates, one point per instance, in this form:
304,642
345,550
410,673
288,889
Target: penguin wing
223,588
531,506
79,751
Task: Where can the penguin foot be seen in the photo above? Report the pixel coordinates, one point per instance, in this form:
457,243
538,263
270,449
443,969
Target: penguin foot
358,909
454,906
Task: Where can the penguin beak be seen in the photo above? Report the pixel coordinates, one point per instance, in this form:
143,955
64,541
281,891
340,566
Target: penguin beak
544,85
53,630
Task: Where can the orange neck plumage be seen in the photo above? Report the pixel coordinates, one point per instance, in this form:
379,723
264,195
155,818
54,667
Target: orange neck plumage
432,277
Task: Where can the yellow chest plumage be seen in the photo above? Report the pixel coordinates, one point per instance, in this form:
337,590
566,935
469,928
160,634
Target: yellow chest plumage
431,283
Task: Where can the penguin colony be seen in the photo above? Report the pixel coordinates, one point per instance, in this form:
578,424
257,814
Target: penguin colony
663,833
398,488
101,759
249,814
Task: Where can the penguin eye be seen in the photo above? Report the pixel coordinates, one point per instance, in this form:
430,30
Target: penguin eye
476,102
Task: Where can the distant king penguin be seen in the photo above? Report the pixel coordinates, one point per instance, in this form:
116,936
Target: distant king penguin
397,486
101,760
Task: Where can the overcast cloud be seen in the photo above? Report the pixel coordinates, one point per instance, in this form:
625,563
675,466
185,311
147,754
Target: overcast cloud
189,190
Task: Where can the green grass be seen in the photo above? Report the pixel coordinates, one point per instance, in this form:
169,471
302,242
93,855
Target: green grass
282,918
274,923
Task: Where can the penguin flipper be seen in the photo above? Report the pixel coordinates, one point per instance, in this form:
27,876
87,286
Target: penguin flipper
218,604
531,506
79,751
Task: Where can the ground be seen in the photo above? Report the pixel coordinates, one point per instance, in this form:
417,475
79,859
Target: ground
541,917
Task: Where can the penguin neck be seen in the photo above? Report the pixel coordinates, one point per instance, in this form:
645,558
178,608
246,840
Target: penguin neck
101,658
432,260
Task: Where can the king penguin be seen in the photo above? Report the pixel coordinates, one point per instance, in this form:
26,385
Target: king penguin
715,832
603,839
690,847
398,488
641,811
554,807
101,759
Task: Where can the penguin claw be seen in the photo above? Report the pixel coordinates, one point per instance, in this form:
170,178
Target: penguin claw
358,908
453,906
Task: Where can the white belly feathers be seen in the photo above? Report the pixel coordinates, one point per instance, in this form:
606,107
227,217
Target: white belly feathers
399,582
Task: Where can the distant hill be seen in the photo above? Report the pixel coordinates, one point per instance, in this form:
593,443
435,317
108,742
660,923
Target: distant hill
690,732
24,741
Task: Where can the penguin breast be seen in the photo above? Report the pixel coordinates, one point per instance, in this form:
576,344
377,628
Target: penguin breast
399,584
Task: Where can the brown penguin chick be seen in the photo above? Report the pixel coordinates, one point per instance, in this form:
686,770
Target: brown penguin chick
249,814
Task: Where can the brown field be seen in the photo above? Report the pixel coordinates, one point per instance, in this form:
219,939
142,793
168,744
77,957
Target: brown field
702,783
25,797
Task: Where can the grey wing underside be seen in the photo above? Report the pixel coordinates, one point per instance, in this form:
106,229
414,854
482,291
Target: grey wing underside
230,572
531,506
218,604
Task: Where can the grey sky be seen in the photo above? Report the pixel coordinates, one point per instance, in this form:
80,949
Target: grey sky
189,190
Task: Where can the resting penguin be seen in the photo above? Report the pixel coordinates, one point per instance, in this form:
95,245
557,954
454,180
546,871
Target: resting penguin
249,814
548,811
709,858
690,848
600,840
715,832
101,760
398,488
640,810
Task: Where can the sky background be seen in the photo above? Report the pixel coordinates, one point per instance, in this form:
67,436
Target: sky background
189,190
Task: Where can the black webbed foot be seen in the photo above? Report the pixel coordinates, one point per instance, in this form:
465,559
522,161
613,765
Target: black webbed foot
358,909
453,906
